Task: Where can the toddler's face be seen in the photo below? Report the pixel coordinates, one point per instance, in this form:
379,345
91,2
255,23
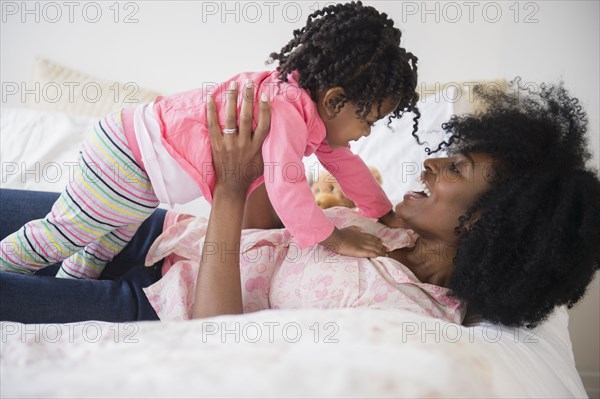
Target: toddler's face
346,126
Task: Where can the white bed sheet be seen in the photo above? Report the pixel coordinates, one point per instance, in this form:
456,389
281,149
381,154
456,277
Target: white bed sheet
307,353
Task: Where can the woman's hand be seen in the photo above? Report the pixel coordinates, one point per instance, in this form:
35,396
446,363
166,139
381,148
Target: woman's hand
351,241
238,162
237,157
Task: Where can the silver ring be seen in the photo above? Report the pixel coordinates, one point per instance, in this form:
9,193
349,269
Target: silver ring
230,131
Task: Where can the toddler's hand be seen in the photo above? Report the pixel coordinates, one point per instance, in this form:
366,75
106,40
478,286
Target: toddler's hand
351,241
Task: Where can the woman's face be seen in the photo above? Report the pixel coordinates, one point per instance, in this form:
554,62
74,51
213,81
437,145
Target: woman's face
453,185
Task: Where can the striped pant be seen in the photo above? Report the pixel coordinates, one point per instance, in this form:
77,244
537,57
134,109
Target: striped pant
97,214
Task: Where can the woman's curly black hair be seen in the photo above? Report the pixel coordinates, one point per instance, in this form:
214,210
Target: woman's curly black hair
357,48
536,244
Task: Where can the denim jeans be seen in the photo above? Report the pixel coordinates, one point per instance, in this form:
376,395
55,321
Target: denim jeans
42,298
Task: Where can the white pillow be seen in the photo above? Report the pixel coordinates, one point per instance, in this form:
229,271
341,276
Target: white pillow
67,90
537,363
39,150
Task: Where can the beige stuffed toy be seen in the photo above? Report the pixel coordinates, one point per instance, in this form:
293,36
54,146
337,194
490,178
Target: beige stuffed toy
328,193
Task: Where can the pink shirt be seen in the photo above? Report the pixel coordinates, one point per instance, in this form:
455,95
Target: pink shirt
296,131
277,274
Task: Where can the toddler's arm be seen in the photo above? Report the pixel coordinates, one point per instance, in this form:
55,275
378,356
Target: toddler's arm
355,179
292,198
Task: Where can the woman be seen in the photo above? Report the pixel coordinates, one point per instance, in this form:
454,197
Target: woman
509,222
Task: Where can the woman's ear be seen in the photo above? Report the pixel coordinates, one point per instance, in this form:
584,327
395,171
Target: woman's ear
474,218
332,101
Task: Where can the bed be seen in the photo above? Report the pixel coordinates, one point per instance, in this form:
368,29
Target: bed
308,353
274,353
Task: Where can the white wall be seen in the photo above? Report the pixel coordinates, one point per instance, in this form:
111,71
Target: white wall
177,45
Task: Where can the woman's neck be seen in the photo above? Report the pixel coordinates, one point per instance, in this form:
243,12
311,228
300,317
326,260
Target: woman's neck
429,260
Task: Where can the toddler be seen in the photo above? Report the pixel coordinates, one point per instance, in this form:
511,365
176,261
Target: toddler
340,74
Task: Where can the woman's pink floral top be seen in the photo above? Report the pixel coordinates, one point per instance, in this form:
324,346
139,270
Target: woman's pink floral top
277,274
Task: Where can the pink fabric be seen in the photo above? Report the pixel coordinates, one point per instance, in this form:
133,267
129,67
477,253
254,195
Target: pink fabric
296,131
277,274
171,218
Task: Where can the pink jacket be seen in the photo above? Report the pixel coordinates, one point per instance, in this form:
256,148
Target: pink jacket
296,131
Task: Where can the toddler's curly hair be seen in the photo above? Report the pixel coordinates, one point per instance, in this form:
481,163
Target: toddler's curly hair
536,244
357,48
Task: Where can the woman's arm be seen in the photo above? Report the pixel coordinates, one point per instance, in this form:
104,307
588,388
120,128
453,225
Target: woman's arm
218,290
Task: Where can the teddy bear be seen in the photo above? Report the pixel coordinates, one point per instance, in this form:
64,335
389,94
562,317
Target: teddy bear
328,193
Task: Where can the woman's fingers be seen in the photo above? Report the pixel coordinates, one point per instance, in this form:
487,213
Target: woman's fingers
264,121
247,111
231,109
212,122
238,148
